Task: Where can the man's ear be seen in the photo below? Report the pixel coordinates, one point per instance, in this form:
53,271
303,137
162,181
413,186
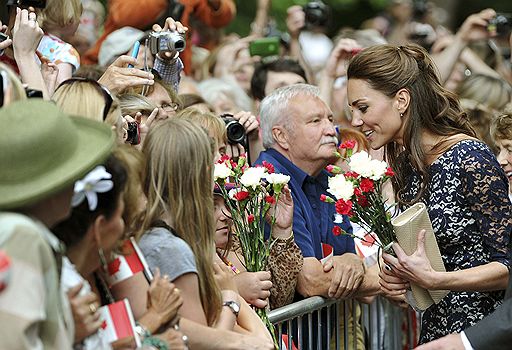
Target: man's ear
281,136
403,99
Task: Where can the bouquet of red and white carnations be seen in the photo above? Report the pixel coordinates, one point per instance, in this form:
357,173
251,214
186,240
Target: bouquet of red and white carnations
250,202
358,194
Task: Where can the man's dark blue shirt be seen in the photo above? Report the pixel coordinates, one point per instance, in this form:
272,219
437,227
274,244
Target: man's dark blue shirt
312,218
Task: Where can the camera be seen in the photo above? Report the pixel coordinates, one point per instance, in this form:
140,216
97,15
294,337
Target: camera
318,14
502,24
38,4
133,133
234,130
161,42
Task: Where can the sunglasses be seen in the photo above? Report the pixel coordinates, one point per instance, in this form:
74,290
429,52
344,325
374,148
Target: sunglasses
107,95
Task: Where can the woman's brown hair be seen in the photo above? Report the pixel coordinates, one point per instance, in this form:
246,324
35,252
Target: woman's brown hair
432,108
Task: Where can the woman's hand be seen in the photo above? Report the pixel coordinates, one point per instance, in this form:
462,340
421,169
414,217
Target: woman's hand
85,313
26,33
254,287
144,127
172,26
7,42
50,73
337,62
394,288
283,214
224,277
164,299
118,77
475,26
415,268
175,339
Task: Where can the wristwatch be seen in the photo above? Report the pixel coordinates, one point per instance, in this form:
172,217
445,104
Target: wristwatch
233,305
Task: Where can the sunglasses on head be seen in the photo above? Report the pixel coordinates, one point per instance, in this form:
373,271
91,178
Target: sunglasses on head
107,95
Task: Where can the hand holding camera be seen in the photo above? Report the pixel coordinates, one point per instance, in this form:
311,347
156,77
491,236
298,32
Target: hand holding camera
337,62
475,27
168,41
26,33
5,41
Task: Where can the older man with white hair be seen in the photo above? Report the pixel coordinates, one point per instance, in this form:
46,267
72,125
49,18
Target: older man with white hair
300,141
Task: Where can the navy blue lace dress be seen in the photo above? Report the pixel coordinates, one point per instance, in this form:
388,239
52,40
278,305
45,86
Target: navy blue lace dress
468,204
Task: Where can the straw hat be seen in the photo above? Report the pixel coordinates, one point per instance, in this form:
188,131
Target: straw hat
43,151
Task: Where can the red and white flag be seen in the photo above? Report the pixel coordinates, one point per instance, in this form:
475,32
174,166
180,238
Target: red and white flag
5,270
367,245
117,322
284,343
327,252
126,265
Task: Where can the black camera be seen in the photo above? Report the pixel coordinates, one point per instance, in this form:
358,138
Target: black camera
234,130
160,42
318,14
133,133
502,24
38,4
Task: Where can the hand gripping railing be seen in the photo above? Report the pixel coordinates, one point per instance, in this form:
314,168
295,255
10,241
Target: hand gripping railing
318,323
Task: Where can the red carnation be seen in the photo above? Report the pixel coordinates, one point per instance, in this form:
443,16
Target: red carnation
269,166
389,172
222,159
337,231
250,218
357,191
270,199
241,195
349,144
352,174
363,201
343,207
366,185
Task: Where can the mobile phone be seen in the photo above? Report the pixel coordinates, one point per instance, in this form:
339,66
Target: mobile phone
135,52
265,47
38,4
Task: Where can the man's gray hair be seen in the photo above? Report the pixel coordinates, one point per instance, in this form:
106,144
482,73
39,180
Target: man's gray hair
274,109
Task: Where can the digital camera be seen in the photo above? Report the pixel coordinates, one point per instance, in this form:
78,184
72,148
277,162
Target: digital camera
502,24
133,133
234,130
161,42
41,4
318,14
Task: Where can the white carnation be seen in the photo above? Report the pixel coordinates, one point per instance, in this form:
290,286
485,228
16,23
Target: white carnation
278,179
340,187
221,171
378,169
251,177
360,163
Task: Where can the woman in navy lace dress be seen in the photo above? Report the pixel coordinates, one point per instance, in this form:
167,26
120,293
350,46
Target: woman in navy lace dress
398,102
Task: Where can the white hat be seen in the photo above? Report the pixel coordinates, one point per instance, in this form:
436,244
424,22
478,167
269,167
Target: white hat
118,43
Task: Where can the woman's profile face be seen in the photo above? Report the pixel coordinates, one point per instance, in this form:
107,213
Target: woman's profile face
222,222
505,158
113,229
376,115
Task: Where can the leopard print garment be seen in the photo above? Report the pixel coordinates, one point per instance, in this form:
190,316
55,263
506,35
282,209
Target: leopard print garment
285,262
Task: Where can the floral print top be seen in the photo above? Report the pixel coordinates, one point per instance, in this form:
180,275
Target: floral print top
468,204
58,51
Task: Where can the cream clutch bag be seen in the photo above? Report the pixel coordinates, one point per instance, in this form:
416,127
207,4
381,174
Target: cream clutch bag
406,226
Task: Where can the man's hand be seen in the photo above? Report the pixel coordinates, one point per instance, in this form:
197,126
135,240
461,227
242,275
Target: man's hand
254,287
449,342
348,273
118,77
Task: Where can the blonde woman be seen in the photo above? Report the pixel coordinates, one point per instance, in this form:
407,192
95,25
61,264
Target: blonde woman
88,98
177,236
12,88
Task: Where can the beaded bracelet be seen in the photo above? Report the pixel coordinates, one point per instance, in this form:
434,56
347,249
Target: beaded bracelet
156,343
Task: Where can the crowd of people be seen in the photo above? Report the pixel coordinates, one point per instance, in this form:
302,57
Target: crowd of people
113,118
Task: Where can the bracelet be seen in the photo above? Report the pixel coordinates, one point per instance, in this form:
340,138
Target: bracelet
156,343
287,240
142,331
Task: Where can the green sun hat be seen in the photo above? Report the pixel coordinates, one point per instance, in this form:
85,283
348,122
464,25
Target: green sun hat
43,151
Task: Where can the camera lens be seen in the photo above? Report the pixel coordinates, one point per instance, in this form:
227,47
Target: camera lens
235,132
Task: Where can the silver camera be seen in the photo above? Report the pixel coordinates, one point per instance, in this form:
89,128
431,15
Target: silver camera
161,42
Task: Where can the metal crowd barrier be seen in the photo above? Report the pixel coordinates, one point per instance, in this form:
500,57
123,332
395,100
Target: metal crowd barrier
318,323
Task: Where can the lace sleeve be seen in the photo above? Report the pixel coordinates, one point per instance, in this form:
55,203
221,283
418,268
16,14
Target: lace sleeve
487,193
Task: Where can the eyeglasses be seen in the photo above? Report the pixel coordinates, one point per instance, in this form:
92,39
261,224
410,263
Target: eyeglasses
107,95
169,107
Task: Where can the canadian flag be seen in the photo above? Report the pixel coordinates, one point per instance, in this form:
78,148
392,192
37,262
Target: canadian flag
126,265
284,343
367,245
327,252
117,322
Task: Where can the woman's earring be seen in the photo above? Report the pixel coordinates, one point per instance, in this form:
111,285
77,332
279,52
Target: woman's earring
401,115
103,260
